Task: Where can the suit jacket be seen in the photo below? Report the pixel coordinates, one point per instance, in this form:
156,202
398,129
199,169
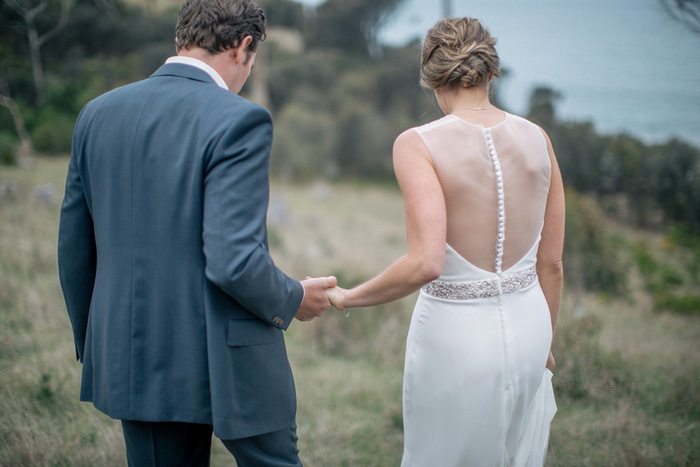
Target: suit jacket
177,309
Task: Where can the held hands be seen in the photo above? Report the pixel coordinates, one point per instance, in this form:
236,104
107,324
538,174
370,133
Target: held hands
336,295
315,300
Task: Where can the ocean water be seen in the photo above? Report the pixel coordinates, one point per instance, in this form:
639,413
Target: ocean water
626,65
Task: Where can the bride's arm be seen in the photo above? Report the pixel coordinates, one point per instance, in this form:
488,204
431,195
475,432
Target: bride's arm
550,270
424,205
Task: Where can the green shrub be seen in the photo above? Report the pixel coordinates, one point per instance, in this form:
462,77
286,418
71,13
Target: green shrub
53,132
594,258
645,262
8,149
678,235
671,276
302,147
668,284
679,303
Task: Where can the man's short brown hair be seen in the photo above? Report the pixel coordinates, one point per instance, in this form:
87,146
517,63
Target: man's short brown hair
218,25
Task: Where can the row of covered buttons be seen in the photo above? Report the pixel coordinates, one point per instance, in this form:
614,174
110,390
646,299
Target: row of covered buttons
501,201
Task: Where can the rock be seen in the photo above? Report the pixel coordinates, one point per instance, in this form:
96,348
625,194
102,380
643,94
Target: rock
8,190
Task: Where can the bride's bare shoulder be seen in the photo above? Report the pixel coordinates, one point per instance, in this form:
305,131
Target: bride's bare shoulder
409,143
415,135
410,150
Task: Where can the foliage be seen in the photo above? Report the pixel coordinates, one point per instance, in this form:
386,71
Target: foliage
647,185
676,182
337,115
672,287
677,235
594,260
8,148
284,13
684,303
543,104
350,25
339,104
52,131
303,139
98,49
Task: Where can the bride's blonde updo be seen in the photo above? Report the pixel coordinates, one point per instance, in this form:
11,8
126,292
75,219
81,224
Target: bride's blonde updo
458,52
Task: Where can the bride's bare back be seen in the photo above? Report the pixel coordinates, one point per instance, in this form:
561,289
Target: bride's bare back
465,169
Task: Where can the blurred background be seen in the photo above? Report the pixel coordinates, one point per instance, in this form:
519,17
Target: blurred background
615,84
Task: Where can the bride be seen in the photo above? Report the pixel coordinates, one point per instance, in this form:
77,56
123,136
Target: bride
484,206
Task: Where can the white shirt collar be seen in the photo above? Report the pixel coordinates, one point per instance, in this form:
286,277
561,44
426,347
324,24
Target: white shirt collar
202,66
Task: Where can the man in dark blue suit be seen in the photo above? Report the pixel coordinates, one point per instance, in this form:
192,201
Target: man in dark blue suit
177,309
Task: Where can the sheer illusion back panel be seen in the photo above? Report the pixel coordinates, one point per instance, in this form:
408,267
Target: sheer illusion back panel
468,179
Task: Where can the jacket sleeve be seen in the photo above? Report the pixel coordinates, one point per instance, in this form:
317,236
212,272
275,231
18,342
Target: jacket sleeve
236,195
76,249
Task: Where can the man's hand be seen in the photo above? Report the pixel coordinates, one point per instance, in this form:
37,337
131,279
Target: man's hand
315,300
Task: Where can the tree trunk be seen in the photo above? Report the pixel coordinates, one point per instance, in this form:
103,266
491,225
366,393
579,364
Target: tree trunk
37,40
37,65
26,149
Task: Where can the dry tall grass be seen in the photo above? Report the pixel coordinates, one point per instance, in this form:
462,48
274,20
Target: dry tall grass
627,379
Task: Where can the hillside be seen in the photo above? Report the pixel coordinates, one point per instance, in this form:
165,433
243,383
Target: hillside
627,379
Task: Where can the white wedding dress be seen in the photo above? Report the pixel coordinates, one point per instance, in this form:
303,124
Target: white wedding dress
476,390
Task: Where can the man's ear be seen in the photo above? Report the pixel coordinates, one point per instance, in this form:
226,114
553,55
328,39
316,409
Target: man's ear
239,54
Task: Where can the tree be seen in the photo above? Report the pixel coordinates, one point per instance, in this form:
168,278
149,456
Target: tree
676,183
25,143
580,150
29,11
350,25
685,11
543,103
284,13
627,172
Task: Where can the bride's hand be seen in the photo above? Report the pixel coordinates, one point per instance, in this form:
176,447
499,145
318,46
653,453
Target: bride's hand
336,296
550,358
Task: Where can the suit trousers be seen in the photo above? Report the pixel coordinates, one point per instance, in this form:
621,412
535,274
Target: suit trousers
176,444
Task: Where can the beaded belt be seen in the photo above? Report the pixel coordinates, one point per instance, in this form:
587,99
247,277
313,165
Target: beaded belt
481,289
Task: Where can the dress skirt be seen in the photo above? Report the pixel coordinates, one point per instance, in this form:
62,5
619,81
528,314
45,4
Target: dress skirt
476,391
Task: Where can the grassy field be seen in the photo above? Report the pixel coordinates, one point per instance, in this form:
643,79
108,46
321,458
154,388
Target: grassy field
627,380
